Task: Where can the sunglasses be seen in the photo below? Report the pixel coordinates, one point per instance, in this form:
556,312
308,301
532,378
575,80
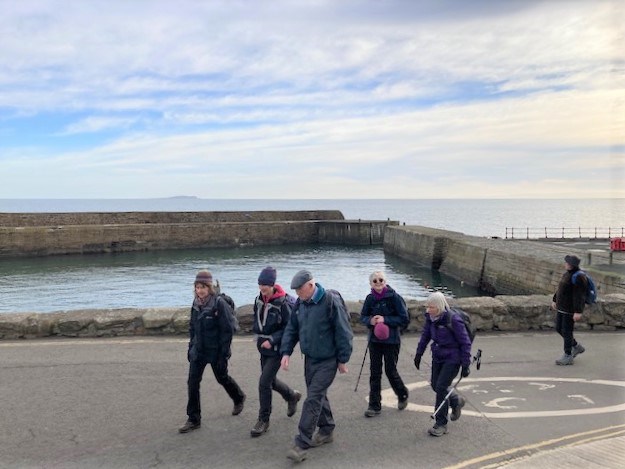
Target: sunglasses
378,280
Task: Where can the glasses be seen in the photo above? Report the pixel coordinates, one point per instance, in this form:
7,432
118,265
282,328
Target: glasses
378,280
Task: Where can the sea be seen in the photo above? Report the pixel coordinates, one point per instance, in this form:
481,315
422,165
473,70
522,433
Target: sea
165,278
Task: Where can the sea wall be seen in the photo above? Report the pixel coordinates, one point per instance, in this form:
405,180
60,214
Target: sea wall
497,266
501,313
44,234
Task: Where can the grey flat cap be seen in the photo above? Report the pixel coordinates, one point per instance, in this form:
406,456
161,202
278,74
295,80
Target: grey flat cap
301,278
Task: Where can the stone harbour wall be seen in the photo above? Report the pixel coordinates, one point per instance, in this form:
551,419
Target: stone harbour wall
500,313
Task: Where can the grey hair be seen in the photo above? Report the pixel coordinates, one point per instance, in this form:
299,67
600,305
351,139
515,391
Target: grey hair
377,274
438,300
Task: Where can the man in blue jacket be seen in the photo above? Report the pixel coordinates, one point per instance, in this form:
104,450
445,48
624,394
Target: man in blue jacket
321,325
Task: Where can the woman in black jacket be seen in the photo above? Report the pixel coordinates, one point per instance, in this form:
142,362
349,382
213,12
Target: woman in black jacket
272,311
384,313
210,335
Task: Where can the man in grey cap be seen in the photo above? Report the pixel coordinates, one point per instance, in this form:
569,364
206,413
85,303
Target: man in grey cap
320,323
569,302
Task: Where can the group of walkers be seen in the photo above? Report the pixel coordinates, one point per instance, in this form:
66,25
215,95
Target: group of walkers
318,320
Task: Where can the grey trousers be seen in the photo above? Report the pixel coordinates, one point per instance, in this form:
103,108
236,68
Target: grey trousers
316,411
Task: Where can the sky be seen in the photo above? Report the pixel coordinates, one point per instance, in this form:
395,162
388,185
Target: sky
312,99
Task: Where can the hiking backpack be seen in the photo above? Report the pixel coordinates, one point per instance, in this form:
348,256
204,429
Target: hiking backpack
591,290
466,320
235,320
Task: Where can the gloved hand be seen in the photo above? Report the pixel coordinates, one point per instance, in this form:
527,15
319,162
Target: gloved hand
466,371
417,361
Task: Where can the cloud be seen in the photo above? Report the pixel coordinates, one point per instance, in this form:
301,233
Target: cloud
142,98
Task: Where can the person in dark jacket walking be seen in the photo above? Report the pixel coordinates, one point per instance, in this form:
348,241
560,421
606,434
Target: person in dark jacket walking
272,312
321,325
451,349
210,337
384,313
569,302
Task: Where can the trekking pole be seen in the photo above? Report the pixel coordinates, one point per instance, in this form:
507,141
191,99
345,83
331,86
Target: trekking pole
477,359
361,367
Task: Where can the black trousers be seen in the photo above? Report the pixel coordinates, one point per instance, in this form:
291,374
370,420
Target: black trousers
269,366
564,327
220,370
389,354
443,375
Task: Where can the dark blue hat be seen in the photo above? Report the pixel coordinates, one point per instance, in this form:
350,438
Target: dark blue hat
267,276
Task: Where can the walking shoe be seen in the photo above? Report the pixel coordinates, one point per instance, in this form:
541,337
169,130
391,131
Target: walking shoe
238,407
438,430
372,412
565,360
296,454
260,428
320,439
577,349
456,411
292,404
402,403
188,426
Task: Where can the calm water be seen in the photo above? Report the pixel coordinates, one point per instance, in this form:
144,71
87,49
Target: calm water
164,278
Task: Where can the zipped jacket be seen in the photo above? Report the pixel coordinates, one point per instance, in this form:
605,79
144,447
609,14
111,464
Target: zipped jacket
392,308
210,330
569,297
321,326
450,342
270,319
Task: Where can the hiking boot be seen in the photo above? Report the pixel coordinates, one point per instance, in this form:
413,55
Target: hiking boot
238,407
320,439
565,360
456,411
577,349
296,454
188,426
260,428
402,403
292,404
372,412
438,430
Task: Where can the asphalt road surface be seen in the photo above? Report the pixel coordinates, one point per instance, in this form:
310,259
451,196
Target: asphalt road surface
118,402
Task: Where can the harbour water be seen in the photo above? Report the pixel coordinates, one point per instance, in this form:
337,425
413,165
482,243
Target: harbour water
164,278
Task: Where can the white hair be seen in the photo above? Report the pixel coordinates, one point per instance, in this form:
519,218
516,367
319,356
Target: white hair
438,300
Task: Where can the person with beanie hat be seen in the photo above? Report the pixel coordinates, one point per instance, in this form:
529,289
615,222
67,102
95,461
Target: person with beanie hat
210,338
569,302
272,311
384,313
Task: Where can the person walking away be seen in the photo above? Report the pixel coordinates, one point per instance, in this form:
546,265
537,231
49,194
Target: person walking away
272,312
384,313
320,324
569,302
210,337
451,350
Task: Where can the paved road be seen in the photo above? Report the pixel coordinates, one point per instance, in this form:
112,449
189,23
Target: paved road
113,403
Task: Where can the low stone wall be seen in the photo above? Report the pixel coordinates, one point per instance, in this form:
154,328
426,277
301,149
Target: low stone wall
497,266
501,313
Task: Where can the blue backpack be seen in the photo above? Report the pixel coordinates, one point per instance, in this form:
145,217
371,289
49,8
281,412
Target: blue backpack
591,290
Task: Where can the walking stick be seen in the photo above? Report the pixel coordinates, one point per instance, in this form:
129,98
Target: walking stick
361,367
477,359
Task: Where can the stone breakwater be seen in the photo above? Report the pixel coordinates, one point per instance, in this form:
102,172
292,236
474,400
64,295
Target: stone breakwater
501,313
46,234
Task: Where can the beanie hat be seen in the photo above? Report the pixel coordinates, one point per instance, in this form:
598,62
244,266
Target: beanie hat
572,260
267,276
205,277
381,331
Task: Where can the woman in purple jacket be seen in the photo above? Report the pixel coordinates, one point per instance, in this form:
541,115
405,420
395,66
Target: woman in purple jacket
451,349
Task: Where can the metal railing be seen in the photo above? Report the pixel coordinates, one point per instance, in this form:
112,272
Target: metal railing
564,233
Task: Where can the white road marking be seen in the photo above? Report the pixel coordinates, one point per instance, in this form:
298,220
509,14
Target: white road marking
390,400
543,386
497,402
581,398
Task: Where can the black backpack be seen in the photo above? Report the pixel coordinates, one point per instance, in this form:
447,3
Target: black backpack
466,320
235,320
